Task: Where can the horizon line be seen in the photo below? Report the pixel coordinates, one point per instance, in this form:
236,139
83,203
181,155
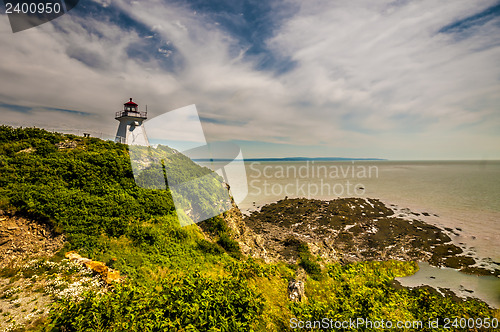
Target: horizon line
331,159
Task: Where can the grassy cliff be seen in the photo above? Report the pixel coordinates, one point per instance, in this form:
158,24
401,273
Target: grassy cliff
177,278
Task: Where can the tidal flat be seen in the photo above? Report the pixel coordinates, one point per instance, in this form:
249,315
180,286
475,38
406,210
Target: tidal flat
351,230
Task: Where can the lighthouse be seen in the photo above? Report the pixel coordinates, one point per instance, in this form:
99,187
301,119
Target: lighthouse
131,130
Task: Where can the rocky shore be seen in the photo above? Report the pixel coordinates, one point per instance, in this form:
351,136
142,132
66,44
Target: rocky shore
348,230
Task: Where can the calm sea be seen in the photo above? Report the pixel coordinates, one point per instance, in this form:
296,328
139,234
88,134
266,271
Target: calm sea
463,194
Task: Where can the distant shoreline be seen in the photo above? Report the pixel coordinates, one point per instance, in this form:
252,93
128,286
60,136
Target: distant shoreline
347,159
292,159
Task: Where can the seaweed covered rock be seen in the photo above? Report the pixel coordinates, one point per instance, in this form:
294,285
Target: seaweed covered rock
348,230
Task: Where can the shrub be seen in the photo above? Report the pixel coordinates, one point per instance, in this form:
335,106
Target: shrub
308,262
231,246
209,247
188,302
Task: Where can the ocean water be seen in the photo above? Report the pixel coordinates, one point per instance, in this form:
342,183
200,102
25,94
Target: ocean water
462,195
463,285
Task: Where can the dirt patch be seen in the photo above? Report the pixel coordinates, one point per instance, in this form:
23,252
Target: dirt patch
21,238
24,292
27,295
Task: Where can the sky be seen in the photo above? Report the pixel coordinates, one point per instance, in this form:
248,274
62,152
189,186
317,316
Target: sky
401,80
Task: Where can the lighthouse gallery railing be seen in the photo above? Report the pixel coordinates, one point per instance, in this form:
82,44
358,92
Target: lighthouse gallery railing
142,115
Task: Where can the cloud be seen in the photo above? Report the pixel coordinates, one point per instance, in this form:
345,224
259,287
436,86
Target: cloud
371,77
387,66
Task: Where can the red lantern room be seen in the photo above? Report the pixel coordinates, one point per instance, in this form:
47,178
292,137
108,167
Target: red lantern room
130,110
130,106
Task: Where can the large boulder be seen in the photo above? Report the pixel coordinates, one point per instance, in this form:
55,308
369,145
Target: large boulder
108,275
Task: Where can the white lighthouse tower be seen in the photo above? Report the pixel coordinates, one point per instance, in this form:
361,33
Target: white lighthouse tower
131,130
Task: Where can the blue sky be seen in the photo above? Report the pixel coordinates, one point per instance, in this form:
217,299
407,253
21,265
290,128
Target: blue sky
386,79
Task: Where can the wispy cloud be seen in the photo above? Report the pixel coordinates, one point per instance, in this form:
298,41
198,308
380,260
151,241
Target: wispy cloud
386,78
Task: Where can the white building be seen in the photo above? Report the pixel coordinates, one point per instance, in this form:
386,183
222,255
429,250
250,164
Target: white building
131,130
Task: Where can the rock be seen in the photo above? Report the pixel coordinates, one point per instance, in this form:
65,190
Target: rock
67,144
343,230
28,150
107,274
474,270
296,292
113,276
98,267
457,262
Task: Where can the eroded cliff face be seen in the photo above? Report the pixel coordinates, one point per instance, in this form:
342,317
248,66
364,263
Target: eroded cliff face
22,238
345,230
29,280
251,243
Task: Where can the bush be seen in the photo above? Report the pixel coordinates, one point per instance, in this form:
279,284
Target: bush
86,191
209,247
364,289
189,302
231,246
308,262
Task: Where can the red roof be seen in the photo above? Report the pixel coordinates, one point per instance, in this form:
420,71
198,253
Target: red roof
130,103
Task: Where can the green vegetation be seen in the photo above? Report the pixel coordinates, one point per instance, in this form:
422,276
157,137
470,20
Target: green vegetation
192,301
198,193
87,192
365,290
308,261
217,228
176,278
